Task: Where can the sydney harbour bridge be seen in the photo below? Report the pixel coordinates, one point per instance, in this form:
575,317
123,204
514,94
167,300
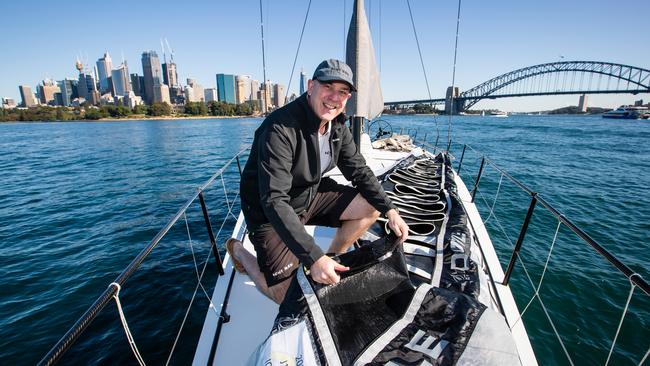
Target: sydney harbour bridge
555,78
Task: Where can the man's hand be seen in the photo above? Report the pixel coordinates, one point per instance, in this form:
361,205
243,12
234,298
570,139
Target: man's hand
324,270
397,224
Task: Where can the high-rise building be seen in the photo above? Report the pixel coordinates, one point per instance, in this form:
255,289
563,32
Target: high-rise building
226,88
68,89
137,84
242,88
120,80
104,67
279,95
255,88
27,96
194,91
46,91
303,82
583,103
210,95
152,72
161,94
265,96
170,75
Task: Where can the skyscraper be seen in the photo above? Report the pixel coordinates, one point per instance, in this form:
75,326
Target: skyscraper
170,75
120,80
47,90
279,97
242,88
27,96
303,82
226,88
104,67
152,77
68,91
137,83
210,94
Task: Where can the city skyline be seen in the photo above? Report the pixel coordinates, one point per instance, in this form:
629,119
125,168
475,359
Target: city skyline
224,39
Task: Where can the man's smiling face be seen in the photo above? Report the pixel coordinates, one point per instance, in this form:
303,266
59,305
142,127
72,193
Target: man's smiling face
328,99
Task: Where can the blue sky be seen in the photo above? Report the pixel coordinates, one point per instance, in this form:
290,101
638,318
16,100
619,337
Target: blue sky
42,39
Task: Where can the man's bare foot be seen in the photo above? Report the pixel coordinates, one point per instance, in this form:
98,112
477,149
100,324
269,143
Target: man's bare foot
230,247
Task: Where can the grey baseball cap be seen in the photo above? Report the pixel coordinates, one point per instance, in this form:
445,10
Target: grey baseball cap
334,70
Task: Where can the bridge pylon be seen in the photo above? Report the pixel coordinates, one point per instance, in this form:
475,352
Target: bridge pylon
454,105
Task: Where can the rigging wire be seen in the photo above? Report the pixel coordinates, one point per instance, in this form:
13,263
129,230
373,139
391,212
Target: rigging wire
302,32
424,71
453,77
263,57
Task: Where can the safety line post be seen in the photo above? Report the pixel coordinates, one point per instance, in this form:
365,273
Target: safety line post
436,144
449,145
520,240
478,179
424,142
213,242
239,166
462,155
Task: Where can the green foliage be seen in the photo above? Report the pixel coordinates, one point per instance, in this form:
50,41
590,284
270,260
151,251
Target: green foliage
196,108
95,113
423,108
116,111
160,109
243,109
218,108
141,109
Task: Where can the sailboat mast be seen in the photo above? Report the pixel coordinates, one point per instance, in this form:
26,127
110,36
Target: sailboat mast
368,101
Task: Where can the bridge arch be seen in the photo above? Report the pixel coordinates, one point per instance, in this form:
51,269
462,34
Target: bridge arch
636,80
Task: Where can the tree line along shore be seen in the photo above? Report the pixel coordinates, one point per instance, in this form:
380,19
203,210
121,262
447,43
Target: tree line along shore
154,111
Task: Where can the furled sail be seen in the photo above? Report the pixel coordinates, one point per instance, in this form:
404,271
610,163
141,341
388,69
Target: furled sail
360,55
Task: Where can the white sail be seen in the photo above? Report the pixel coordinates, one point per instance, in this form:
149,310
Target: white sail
368,101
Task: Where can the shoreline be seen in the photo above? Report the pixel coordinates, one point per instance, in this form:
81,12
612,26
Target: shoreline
137,118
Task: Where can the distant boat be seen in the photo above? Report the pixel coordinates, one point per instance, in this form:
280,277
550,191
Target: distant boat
497,114
628,112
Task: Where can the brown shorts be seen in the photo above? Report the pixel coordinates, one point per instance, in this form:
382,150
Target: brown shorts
275,259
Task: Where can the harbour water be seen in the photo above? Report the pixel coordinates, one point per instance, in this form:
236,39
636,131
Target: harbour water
80,200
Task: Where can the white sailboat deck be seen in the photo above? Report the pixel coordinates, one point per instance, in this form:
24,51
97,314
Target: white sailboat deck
252,314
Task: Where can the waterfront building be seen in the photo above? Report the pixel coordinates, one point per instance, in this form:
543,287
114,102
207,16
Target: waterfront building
255,89
210,95
8,103
131,100
265,96
194,91
137,84
68,89
104,66
226,88
120,80
27,96
153,79
582,103
46,92
161,94
279,95
242,88
107,99
303,82
170,75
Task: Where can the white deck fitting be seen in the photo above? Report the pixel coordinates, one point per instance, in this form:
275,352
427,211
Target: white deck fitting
252,314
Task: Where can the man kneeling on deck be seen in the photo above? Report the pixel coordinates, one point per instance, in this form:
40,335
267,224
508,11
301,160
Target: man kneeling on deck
283,189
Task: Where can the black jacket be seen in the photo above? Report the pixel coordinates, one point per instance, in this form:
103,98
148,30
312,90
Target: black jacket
283,171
